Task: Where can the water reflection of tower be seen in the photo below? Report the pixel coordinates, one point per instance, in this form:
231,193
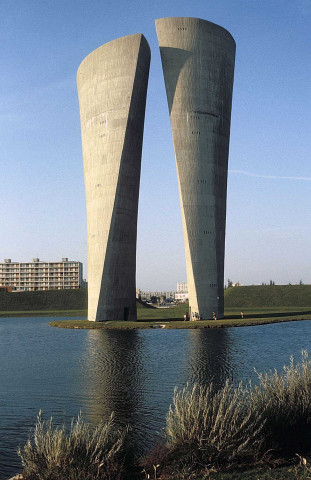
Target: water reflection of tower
114,379
210,356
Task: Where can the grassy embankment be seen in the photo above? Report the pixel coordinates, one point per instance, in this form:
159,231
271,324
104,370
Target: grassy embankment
260,304
64,303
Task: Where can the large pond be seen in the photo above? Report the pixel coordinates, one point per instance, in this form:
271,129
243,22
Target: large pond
132,373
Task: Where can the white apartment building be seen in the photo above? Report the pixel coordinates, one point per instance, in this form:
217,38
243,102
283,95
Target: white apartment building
182,291
38,275
149,294
182,287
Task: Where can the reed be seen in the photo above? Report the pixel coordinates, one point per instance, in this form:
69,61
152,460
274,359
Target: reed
285,402
83,453
213,427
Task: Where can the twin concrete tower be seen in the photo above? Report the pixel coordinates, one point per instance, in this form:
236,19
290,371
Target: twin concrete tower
198,66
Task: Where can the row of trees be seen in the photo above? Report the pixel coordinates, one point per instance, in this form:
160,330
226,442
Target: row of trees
271,282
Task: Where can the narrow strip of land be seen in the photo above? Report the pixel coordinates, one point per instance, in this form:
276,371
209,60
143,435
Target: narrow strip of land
172,318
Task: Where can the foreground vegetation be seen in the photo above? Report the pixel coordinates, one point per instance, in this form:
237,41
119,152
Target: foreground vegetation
235,432
52,454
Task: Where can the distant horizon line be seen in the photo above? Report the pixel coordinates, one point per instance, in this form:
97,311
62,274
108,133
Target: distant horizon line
271,177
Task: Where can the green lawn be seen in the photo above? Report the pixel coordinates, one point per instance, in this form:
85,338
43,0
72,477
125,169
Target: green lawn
173,318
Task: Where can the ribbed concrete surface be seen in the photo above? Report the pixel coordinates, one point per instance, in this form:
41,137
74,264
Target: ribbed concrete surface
112,85
198,66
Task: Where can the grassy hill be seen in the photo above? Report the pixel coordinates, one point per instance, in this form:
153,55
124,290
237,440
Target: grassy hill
250,297
268,296
44,300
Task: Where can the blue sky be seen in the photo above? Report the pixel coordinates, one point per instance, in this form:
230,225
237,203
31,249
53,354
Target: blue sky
269,186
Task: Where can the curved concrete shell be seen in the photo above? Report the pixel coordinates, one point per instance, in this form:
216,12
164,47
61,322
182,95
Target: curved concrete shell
198,66
112,86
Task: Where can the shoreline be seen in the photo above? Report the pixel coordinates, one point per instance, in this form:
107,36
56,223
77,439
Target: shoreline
173,324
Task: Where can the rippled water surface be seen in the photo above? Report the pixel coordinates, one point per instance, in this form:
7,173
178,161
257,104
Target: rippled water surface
132,373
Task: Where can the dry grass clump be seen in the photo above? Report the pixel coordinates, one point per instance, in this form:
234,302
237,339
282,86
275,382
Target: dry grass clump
285,402
211,427
84,453
205,429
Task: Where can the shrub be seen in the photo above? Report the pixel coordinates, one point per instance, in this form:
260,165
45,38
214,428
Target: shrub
211,427
84,453
285,402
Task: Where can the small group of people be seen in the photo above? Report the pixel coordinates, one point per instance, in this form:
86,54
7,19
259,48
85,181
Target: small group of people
194,316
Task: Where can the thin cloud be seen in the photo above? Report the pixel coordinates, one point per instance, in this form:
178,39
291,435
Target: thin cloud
273,177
